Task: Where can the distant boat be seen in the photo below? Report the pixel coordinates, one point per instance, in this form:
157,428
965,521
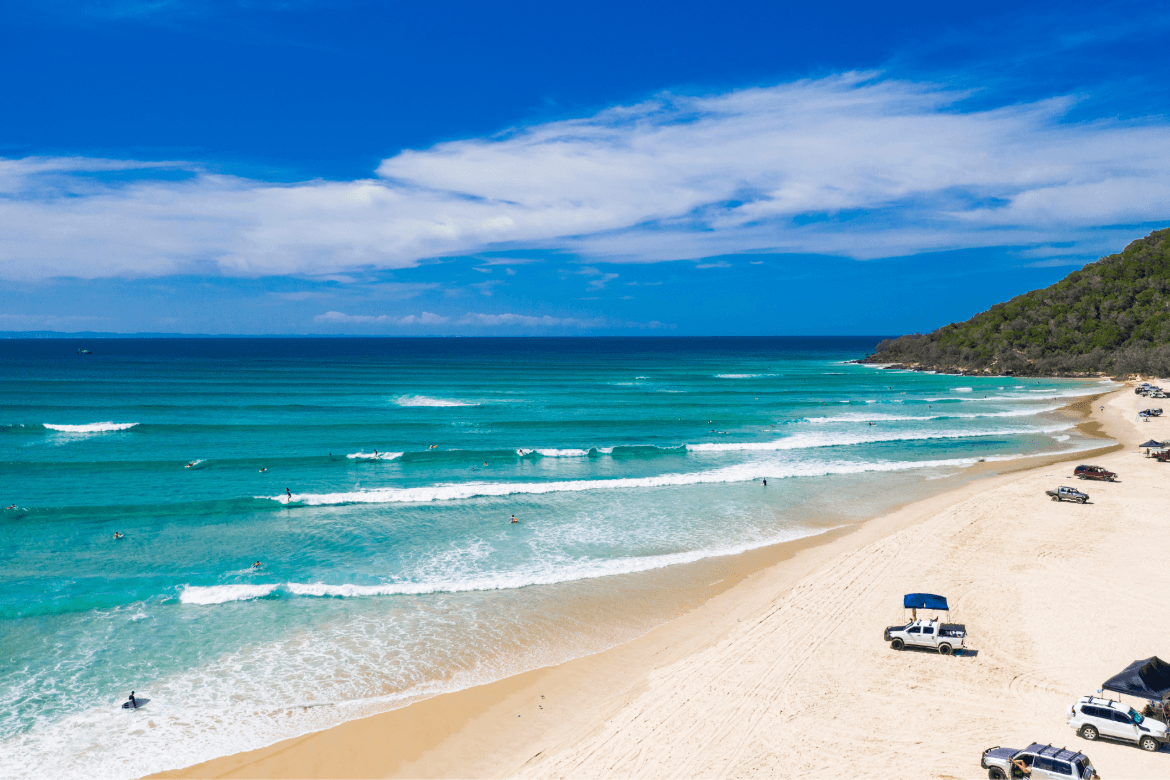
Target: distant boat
84,352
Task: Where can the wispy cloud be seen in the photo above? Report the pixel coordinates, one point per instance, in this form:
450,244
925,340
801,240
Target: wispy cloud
850,165
339,318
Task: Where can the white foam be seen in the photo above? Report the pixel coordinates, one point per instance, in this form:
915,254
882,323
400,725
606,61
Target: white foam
740,376
98,427
372,456
878,417
552,453
422,400
745,472
961,390
1064,437
221,594
812,439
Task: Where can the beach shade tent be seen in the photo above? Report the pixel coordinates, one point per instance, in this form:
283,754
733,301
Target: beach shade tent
1146,679
1150,443
924,601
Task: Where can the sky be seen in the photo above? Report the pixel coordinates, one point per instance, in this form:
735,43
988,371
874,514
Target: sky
523,168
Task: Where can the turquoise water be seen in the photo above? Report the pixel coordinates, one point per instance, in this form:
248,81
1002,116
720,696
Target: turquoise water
386,577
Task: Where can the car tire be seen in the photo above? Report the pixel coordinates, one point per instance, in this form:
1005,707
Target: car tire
945,649
1056,498
995,773
898,644
1082,500
1149,744
1089,732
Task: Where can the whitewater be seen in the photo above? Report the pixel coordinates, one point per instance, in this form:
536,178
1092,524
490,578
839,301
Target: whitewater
321,529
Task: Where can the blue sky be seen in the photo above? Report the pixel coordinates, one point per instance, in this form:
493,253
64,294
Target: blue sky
537,168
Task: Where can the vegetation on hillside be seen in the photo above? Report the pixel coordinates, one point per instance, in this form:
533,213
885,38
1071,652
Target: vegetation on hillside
1112,317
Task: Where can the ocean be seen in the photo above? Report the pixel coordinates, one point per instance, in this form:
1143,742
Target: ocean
375,480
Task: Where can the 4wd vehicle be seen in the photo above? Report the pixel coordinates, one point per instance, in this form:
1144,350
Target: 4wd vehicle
1093,717
1068,494
1045,761
1094,472
929,633
1151,412
944,637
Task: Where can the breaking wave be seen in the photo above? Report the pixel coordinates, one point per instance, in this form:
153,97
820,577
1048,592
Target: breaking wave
221,594
747,472
374,456
98,427
422,400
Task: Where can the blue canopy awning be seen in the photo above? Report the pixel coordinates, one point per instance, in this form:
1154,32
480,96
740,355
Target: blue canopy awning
924,601
1151,443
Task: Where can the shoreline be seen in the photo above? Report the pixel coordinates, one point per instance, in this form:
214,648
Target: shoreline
469,732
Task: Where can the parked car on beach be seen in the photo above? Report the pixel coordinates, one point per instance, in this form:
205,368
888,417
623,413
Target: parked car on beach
1068,494
1043,761
1094,472
931,634
1094,717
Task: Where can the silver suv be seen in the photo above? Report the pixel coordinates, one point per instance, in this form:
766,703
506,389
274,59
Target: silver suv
1041,761
1093,717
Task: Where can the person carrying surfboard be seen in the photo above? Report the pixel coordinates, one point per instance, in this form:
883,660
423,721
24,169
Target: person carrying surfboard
133,701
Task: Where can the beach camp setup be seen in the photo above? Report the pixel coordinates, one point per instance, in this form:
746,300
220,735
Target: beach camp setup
929,633
1145,679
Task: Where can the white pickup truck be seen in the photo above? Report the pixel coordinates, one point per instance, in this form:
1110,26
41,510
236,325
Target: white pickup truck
944,637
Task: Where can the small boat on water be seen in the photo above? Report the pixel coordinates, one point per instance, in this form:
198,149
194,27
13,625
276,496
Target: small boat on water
85,352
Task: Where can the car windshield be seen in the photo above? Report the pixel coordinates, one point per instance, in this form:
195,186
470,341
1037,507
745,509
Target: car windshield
1137,716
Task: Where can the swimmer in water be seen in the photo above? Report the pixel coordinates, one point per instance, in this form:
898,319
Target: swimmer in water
515,519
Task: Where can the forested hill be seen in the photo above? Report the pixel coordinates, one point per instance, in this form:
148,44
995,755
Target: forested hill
1112,316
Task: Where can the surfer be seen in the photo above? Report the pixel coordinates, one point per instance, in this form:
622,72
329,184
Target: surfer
765,483
375,453
133,701
515,519
289,492
189,465
12,506
118,534
263,470
256,565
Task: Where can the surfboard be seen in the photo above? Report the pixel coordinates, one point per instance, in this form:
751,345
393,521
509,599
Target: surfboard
141,703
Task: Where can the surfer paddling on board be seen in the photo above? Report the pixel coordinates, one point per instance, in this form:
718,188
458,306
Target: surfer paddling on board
118,534
515,519
256,565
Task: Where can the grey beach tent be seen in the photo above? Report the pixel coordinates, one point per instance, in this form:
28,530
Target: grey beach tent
1145,679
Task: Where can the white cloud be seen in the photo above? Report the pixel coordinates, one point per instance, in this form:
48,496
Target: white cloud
530,321
676,177
339,318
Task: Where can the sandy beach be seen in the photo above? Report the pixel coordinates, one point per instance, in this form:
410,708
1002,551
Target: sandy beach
785,673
